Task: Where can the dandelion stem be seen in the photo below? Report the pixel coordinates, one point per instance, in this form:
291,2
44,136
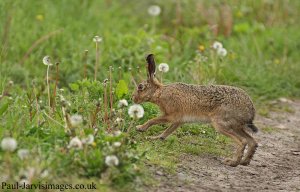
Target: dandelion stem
68,126
48,86
52,119
55,87
97,61
105,105
120,73
94,115
130,126
110,91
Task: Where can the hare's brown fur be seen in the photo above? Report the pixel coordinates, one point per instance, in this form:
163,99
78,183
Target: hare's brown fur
229,109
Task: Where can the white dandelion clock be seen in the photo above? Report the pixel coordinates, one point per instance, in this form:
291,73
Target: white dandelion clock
122,103
119,120
117,133
117,144
222,52
154,10
9,144
76,120
88,140
23,153
111,160
75,143
47,60
24,182
217,45
163,67
136,111
97,39
44,173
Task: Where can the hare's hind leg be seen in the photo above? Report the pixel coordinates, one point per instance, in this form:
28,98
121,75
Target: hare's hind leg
154,121
252,145
167,132
226,129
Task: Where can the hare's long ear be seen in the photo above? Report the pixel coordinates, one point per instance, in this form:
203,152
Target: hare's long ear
151,66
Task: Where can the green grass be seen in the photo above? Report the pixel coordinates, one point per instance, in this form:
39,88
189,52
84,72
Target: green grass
269,129
262,58
189,139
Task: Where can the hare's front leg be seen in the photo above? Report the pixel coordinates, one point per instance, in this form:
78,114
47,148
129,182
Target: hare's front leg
154,121
167,132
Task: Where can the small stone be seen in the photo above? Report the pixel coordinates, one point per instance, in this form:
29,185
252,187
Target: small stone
159,173
284,100
181,176
281,126
296,152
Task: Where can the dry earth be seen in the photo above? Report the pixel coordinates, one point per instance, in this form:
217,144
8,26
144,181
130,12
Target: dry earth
275,166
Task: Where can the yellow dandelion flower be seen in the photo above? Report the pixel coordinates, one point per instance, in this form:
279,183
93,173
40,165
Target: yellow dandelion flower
232,56
201,48
276,61
239,14
93,144
39,17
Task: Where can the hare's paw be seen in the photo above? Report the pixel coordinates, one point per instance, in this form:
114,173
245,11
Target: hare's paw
156,137
245,162
141,128
230,162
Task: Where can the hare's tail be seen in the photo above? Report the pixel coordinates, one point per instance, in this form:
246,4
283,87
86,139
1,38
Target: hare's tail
252,127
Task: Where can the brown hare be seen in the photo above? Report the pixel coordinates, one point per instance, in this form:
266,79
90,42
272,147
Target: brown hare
229,110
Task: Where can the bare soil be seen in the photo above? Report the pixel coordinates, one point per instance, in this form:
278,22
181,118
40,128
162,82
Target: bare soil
275,166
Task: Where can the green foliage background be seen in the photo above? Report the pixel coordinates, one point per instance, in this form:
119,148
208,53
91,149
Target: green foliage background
262,58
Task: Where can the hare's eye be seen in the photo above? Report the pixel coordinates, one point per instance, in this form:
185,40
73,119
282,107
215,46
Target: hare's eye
141,87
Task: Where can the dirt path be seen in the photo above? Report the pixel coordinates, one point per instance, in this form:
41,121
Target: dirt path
275,166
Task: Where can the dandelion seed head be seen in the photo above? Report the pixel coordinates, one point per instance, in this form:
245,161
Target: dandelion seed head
76,120
163,67
97,39
88,140
217,45
117,144
44,173
75,143
9,144
154,10
119,120
111,160
136,111
24,182
122,103
11,83
117,133
105,81
23,153
47,60
222,52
